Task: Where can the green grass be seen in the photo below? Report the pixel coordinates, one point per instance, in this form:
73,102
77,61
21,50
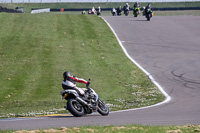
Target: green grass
35,49
28,6
121,129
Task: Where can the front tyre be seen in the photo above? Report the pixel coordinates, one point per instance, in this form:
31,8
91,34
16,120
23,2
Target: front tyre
136,13
75,108
148,17
102,108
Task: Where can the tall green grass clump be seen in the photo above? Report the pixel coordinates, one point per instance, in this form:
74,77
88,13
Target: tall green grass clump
35,50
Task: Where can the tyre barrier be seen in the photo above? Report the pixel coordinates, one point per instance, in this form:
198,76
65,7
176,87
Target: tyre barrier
4,9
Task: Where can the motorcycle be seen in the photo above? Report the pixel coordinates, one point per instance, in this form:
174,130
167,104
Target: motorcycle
79,105
126,11
136,11
119,12
99,12
149,14
144,14
113,11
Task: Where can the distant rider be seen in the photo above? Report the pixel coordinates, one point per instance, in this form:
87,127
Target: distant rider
144,11
126,7
99,11
147,7
119,11
83,12
93,10
69,82
136,5
113,11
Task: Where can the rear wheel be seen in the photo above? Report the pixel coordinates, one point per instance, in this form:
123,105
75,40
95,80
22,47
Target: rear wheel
75,108
102,108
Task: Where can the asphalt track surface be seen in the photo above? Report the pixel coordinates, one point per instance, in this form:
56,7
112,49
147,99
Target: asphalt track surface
166,47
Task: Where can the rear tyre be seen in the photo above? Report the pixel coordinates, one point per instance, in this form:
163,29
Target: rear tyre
102,108
75,108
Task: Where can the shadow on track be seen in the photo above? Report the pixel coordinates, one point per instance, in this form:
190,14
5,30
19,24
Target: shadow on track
70,116
138,20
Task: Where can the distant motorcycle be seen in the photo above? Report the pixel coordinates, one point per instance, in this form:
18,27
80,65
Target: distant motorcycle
113,11
144,14
79,105
98,13
126,11
149,14
136,11
119,12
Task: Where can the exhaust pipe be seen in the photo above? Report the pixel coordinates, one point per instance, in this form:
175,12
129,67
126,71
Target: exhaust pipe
81,100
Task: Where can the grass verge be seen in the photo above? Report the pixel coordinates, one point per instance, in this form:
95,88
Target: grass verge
119,129
35,49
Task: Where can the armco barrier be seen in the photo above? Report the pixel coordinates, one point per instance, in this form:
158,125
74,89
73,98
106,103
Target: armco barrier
40,10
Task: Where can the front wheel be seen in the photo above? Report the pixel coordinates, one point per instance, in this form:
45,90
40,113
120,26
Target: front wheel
126,13
136,13
148,17
75,108
102,108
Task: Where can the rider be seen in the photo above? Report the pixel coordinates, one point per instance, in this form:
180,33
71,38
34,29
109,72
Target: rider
119,10
69,82
93,10
99,11
147,7
126,6
136,5
113,11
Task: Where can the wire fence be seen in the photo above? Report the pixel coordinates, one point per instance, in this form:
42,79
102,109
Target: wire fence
89,1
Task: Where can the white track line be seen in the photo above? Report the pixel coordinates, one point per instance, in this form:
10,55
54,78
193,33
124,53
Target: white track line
167,97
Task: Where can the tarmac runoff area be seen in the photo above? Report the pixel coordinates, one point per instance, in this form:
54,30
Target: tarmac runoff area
168,49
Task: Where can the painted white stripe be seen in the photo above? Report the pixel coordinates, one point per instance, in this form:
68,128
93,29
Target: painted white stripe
167,97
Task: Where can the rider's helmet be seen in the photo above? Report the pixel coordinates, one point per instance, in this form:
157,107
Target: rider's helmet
149,5
127,4
66,75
